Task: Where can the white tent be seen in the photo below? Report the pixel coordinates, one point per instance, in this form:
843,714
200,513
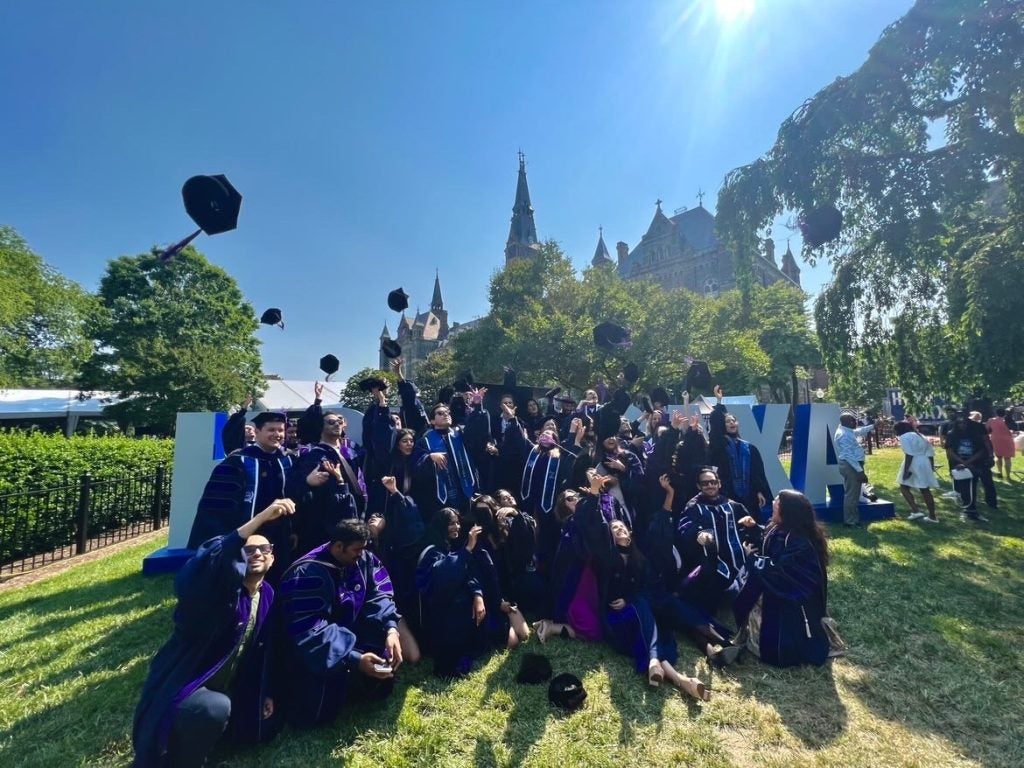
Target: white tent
295,395
68,404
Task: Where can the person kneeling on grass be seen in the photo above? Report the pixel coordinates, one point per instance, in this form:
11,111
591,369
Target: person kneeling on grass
339,615
214,671
784,600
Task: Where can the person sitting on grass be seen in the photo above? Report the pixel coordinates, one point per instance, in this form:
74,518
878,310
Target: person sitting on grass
213,674
784,600
451,595
338,612
629,622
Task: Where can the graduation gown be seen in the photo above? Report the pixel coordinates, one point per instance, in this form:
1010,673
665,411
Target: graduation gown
740,465
331,615
447,583
210,618
321,508
240,487
576,572
788,579
710,571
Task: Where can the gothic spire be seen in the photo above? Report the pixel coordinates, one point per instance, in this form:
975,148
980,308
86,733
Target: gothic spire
435,301
522,234
385,334
601,256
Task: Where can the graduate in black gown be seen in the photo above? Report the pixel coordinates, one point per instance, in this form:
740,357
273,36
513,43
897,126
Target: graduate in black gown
215,671
710,540
326,486
629,621
787,591
341,627
244,483
739,462
455,479
452,596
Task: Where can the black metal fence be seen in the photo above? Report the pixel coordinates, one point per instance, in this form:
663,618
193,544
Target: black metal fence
44,525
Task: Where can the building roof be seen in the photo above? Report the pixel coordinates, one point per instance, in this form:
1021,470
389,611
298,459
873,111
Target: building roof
601,256
53,403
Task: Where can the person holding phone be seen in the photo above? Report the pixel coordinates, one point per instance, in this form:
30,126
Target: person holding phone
341,624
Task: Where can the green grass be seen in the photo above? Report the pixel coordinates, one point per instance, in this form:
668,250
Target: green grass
933,615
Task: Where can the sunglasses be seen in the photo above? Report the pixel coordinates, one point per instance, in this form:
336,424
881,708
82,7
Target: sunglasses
571,497
707,482
332,421
251,549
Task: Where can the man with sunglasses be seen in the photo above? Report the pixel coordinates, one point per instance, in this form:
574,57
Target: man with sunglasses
326,484
213,673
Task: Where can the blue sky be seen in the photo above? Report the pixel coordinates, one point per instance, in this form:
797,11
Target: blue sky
374,142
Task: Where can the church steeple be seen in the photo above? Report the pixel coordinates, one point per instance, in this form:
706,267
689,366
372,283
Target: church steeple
522,234
789,267
385,334
601,256
435,301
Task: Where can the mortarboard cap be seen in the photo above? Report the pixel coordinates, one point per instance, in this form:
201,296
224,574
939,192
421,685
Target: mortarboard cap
607,420
329,364
398,300
660,395
391,348
566,399
646,405
464,381
534,668
212,203
552,393
631,373
566,691
444,394
267,417
609,337
820,225
698,376
373,382
272,317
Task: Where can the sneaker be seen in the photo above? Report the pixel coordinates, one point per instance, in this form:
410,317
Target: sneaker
916,515
929,519
981,519
964,517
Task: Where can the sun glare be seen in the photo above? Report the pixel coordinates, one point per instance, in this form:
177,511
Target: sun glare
733,11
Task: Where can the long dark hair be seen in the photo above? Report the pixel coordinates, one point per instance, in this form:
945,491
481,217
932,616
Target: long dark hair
399,434
797,515
437,529
484,513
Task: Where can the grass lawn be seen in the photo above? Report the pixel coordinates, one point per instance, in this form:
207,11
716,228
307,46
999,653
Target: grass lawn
933,615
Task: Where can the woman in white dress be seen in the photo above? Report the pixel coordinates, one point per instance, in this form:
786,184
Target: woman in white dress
916,471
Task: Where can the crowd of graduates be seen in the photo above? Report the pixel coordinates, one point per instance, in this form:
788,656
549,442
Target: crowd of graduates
322,566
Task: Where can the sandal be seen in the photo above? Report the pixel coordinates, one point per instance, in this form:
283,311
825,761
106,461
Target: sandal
694,688
541,628
655,674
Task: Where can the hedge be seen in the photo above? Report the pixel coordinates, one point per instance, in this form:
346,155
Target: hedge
29,461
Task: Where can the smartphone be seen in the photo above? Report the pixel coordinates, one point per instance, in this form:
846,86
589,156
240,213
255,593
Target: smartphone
382,668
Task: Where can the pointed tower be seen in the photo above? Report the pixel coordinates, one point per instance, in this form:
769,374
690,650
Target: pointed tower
522,234
438,311
384,336
601,256
789,267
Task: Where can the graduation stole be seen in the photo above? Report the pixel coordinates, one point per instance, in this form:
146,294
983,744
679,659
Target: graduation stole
251,466
437,444
731,535
547,497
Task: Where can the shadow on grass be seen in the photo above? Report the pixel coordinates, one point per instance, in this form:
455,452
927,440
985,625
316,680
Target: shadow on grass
933,616
89,701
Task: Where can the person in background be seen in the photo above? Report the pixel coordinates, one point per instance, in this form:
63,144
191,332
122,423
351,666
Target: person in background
916,471
850,455
967,449
1002,443
739,462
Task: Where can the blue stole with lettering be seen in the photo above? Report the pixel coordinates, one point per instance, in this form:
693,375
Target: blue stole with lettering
251,465
547,497
436,443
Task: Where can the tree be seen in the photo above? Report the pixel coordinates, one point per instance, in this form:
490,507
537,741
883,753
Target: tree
907,147
172,336
353,397
543,318
43,340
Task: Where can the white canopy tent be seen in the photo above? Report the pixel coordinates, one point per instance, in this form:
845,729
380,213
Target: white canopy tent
68,404
296,395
